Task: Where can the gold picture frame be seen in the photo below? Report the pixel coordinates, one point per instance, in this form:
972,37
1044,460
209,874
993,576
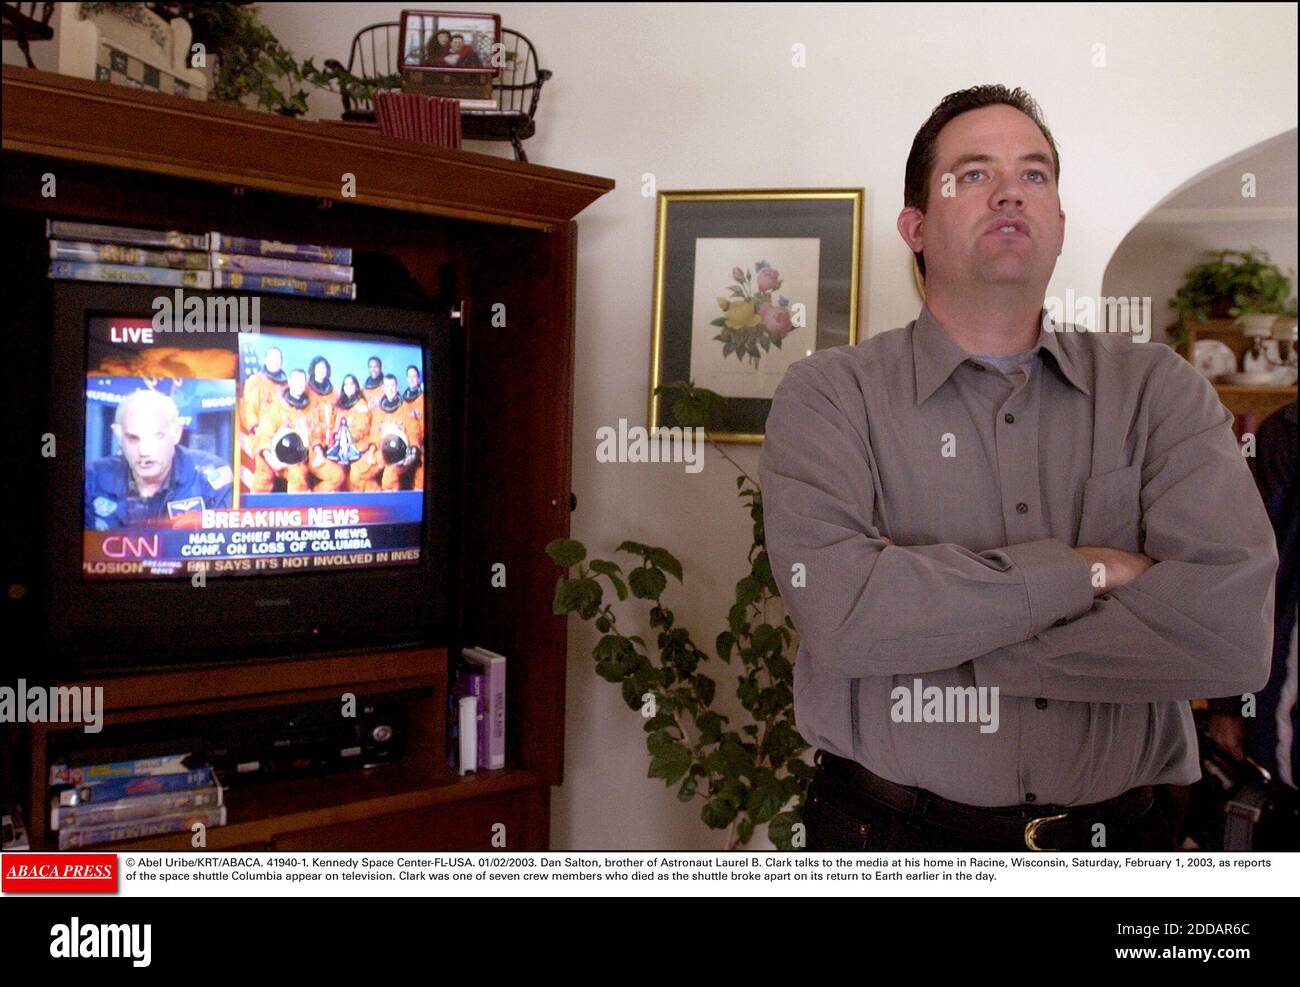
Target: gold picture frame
825,225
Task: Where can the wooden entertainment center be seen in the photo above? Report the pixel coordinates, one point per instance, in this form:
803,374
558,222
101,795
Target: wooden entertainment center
448,230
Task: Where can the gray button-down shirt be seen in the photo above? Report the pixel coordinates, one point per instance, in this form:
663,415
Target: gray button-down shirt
984,481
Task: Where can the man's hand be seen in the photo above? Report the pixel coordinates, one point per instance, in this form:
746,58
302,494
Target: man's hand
1117,567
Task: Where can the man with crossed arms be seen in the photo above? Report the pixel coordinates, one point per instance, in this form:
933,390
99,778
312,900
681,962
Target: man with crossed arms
989,500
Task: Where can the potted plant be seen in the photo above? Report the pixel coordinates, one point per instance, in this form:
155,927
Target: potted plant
243,58
748,777
1234,284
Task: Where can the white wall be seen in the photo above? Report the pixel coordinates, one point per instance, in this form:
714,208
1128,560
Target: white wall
1154,257
705,96
1211,214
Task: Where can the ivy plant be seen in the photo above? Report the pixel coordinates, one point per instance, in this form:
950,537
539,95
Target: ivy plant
746,775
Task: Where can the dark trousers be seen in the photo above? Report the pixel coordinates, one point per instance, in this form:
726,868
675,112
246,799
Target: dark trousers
849,808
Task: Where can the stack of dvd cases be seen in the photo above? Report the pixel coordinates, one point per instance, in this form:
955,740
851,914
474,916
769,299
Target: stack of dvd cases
128,800
168,258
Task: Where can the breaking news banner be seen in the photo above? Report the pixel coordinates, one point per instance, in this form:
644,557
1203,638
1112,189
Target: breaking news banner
101,910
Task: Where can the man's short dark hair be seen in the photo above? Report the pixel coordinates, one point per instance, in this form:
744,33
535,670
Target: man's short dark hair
920,162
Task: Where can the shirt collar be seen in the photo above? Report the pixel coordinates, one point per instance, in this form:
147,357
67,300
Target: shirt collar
935,356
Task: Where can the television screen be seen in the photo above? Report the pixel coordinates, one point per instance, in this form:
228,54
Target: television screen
288,450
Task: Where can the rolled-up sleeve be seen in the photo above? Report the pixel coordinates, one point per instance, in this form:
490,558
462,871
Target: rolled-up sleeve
1198,623
864,607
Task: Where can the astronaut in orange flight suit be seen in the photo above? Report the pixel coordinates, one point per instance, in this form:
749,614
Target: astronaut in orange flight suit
320,389
293,410
351,407
262,389
391,414
414,398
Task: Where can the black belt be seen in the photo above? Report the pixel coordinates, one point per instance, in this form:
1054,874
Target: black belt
1040,827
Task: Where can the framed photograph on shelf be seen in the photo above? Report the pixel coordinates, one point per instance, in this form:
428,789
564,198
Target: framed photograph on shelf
745,284
444,52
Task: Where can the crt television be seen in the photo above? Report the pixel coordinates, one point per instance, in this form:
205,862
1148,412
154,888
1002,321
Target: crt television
245,482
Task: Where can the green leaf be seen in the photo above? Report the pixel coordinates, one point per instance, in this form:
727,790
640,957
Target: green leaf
566,552
710,725
705,688
780,830
765,638
718,814
765,800
726,641
647,584
686,792
744,830
748,590
580,595
665,560
670,759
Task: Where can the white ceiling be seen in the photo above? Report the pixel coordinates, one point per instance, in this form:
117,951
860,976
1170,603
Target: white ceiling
1219,189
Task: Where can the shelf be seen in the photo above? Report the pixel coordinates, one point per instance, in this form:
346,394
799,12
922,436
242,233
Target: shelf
260,814
432,228
60,117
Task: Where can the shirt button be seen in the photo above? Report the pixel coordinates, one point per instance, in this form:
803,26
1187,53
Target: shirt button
1022,508
1040,703
1030,797
1009,418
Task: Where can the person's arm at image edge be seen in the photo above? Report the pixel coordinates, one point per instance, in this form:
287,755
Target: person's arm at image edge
868,607
1199,622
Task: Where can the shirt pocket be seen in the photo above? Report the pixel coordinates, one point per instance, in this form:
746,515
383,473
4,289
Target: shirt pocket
1111,515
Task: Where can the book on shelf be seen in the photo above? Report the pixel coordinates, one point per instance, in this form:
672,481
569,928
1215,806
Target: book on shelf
87,252
462,730
309,269
180,822
226,244
135,807
117,788
169,764
471,681
59,229
63,270
282,285
493,668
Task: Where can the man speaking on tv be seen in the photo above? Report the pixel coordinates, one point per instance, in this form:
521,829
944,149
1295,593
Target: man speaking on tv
155,478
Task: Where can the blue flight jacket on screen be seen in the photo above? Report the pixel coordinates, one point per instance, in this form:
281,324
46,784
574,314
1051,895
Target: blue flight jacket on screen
198,481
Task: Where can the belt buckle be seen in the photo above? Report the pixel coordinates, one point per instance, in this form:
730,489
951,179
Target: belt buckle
1032,827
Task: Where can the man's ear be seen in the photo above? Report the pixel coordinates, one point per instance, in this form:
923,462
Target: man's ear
1062,250
910,221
